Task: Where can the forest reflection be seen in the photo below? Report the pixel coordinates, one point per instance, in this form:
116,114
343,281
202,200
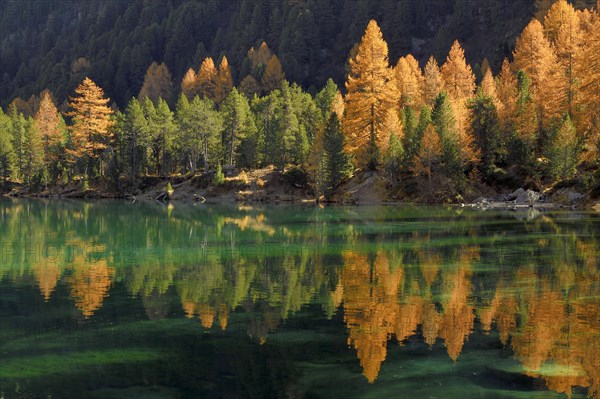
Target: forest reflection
422,279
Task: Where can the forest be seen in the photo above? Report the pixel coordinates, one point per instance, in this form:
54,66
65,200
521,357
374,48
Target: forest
432,126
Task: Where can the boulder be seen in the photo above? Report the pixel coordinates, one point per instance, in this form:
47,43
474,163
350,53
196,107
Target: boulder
515,195
527,197
573,197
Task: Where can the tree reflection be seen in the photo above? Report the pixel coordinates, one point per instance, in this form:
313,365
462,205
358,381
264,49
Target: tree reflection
391,282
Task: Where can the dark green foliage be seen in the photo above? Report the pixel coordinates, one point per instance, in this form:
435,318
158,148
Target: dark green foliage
338,165
445,126
219,177
485,127
296,176
563,150
42,38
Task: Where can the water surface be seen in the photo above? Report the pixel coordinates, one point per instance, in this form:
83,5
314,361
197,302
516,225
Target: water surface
110,300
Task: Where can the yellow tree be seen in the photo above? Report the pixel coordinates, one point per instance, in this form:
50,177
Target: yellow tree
506,90
459,83
273,75
157,83
563,30
433,84
535,56
429,155
588,66
488,86
91,128
372,93
224,81
47,122
189,84
409,79
207,79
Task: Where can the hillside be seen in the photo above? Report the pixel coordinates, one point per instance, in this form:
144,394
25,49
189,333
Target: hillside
53,44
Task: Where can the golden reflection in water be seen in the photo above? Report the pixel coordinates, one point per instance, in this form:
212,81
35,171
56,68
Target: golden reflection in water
548,315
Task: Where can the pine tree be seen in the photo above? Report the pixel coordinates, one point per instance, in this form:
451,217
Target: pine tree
33,165
162,136
6,148
444,123
372,93
338,165
485,127
433,83
224,81
18,141
563,152
208,126
157,84
524,128
91,128
136,134
238,124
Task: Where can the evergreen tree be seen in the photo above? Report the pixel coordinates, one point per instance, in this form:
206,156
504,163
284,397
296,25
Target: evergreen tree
485,127
18,141
238,125
6,148
208,126
162,129
338,165
563,151
136,136
444,123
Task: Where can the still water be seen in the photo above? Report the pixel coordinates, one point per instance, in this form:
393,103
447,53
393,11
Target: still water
116,300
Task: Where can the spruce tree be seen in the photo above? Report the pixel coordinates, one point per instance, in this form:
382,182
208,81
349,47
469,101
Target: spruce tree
338,165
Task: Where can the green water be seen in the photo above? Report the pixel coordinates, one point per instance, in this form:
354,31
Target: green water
117,300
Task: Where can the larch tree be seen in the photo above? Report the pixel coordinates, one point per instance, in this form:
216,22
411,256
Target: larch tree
49,124
189,84
429,157
90,132
506,91
273,75
534,55
372,93
158,83
224,81
459,83
588,66
563,30
488,86
409,79
433,83
249,87
207,79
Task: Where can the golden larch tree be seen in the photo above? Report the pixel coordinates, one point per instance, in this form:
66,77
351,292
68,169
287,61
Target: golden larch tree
409,79
535,56
506,90
433,83
92,123
158,83
273,75
47,122
488,86
207,79
224,81
459,83
189,84
588,68
372,93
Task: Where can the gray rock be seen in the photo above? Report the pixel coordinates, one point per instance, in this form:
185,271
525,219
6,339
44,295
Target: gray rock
527,197
573,196
515,195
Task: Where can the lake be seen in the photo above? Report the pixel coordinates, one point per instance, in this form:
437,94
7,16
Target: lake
114,300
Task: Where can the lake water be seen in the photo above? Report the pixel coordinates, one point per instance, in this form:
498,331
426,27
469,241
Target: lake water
117,300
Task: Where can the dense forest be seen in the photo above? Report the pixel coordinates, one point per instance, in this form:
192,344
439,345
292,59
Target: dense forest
183,97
